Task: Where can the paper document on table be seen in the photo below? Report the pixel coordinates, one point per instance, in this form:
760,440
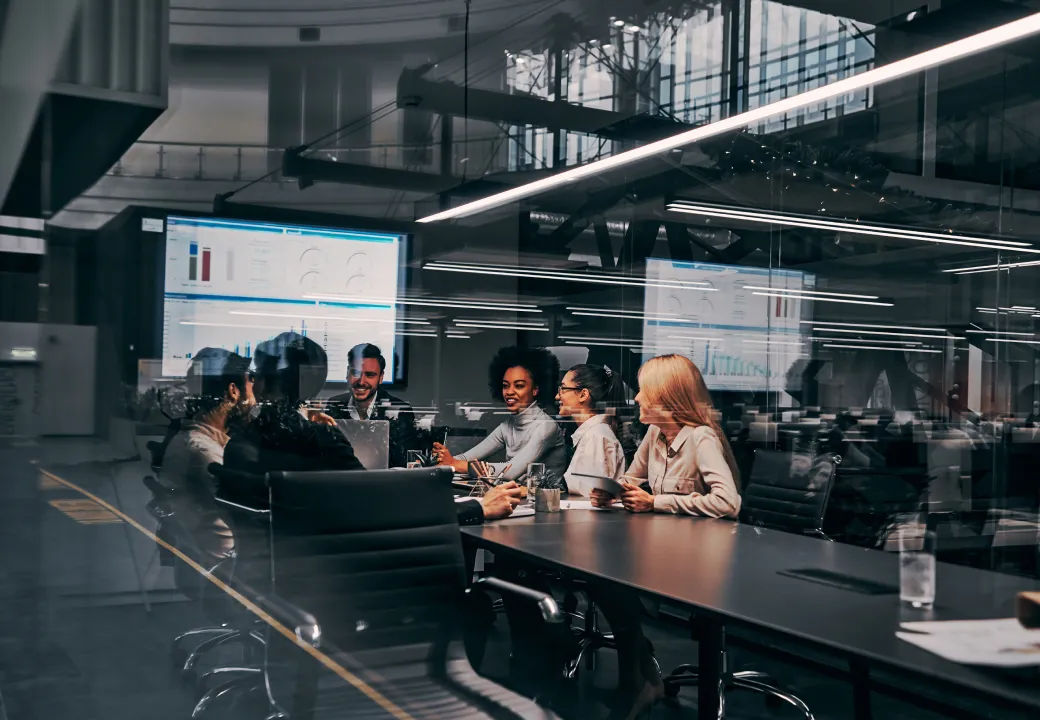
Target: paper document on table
994,643
525,511
579,505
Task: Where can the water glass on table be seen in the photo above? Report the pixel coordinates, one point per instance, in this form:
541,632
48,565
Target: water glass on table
416,459
535,474
917,566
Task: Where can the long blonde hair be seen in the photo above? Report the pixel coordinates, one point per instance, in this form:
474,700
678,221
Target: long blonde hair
674,383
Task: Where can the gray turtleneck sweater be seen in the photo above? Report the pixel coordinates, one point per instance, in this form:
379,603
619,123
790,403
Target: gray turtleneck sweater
529,436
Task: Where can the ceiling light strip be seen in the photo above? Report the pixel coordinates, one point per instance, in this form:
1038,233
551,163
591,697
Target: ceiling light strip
972,45
873,340
872,326
990,268
880,332
573,278
1000,332
1013,340
811,292
327,317
656,318
822,299
854,228
497,326
878,347
532,271
461,304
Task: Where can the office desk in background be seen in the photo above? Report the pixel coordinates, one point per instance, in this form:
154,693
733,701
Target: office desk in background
727,575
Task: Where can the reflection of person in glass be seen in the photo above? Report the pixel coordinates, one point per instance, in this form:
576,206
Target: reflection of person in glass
684,465
590,395
367,400
221,391
521,378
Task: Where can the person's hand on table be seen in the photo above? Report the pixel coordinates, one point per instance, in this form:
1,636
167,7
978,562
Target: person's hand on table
317,416
500,500
443,457
636,499
601,498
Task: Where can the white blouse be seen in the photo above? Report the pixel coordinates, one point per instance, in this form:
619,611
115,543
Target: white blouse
596,452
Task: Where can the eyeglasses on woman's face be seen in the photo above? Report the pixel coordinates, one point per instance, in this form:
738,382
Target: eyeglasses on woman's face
568,388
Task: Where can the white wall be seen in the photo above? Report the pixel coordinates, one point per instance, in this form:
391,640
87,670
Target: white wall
209,103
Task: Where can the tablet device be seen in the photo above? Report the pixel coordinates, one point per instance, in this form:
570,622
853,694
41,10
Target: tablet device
600,482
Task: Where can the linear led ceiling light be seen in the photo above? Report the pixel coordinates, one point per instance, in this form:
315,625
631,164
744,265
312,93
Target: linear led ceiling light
501,326
972,45
656,318
811,292
878,347
879,341
990,268
451,303
1000,332
538,273
824,299
1014,340
328,317
855,228
617,310
878,332
873,327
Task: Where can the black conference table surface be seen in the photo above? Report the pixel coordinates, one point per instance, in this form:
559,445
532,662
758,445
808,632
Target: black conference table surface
729,574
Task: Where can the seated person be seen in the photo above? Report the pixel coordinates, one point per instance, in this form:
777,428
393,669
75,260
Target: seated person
290,369
687,468
590,395
684,464
519,377
221,390
367,400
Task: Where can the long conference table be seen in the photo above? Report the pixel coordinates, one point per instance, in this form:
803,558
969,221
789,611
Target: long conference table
728,576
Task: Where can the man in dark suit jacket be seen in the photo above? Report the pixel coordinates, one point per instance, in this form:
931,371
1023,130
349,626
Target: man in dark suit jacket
368,401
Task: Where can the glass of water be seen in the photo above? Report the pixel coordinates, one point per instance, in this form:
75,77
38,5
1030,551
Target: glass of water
917,566
416,459
535,475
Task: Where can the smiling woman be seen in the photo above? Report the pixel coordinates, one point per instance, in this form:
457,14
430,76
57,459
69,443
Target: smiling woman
521,378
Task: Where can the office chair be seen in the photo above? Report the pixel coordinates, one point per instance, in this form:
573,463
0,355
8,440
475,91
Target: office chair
785,491
368,569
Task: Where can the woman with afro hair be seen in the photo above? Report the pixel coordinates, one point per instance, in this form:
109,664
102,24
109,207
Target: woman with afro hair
522,378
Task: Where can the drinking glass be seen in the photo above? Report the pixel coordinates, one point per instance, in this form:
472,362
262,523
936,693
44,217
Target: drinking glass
917,566
535,475
415,459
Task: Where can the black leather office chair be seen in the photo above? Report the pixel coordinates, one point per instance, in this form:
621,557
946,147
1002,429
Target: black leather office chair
785,491
789,491
368,569
230,628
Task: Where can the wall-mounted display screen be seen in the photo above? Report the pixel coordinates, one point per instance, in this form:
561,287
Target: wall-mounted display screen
729,320
232,284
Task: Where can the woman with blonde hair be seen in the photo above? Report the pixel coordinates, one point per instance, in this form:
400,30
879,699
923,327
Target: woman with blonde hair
684,465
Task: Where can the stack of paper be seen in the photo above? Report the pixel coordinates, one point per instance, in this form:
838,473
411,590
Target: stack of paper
994,643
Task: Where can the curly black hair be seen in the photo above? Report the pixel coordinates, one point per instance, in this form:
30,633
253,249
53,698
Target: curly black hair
540,363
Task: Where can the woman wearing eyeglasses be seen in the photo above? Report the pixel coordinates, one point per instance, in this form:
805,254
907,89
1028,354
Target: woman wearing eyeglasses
590,395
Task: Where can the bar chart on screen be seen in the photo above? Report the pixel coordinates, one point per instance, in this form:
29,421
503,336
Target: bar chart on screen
741,339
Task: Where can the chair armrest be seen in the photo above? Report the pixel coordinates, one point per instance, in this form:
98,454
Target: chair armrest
299,620
546,603
237,506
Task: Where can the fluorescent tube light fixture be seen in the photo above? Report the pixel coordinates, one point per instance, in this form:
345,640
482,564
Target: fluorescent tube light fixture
811,292
878,347
972,45
856,228
872,327
824,299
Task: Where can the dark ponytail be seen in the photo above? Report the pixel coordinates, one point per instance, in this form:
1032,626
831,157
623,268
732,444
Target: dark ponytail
607,391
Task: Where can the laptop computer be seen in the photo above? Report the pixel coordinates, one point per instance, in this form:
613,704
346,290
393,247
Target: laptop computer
370,440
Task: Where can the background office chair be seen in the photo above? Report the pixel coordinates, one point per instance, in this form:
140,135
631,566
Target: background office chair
786,491
383,582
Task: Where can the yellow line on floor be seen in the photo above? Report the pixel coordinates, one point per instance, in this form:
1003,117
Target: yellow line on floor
370,692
